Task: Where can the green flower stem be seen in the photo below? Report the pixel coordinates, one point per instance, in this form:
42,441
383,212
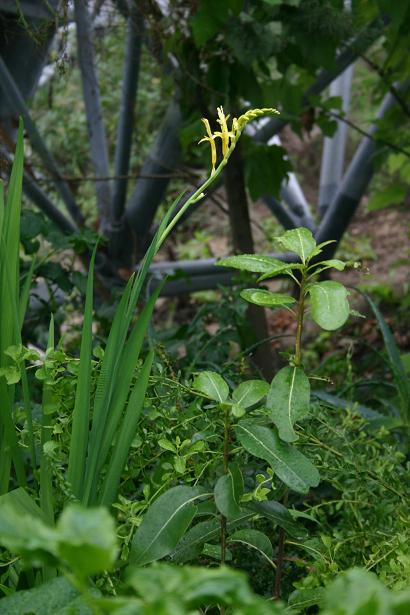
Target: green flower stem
198,192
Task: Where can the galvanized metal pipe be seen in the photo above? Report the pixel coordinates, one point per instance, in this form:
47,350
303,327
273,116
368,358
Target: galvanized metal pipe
91,90
16,101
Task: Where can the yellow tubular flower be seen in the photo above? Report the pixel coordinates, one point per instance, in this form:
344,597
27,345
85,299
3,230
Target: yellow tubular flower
211,139
225,134
230,137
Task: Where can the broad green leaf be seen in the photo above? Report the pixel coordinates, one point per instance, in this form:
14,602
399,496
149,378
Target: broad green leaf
191,544
358,592
329,304
189,589
228,491
167,445
392,195
260,159
212,385
27,535
11,373
238,411
300,241
320,246
57,597
333,263
87,540
288,400
293,468
279,514
256,263
22,503
265,298
250,392
215,552
304,598
285,269
255,540
164,524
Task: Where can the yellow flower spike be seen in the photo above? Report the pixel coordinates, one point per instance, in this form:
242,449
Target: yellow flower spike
254,114
225,134
211,139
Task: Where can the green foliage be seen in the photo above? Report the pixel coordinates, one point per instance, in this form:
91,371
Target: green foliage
164,525
83,540
288,400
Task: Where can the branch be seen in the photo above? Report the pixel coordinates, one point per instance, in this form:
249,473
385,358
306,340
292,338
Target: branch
369,135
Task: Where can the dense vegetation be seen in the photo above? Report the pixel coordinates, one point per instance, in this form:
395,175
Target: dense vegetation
148,465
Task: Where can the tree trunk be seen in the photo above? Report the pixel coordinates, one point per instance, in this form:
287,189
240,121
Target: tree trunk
243,242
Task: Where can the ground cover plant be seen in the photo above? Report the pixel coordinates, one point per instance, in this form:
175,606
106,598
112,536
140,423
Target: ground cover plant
112,462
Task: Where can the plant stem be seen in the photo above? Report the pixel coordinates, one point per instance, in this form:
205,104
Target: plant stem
298,362
280,557
227,424
300,315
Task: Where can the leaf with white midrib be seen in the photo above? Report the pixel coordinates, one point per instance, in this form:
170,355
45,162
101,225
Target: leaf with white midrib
278,454
288,400
188,495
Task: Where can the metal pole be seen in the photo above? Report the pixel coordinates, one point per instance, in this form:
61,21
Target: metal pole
96,130
35,194
333,155
352,188
357,47
126,114
16,101
162,160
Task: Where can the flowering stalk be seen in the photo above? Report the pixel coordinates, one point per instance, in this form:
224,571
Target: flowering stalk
229,139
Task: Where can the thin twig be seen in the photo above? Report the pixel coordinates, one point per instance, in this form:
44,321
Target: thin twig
369,135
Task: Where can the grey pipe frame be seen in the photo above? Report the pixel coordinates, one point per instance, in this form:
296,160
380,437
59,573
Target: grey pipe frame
16,101
91,92
148,193
333,226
